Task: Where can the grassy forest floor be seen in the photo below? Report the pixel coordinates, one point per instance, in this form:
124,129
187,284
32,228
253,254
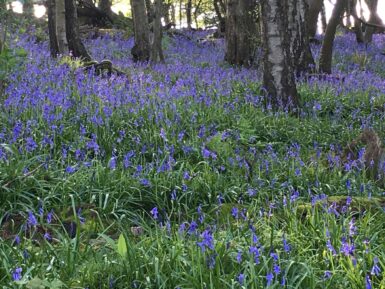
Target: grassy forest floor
179,176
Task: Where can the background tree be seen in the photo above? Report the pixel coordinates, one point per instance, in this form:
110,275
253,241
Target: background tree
299,40
53,41
220,11
75,45
28,8
61,26
241,28
156,47
141,49
278,70
325,62
374,18
315,7
189,13
3,23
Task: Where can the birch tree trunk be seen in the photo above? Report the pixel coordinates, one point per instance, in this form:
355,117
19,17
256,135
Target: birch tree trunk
241,32
61,26
325,62
278,70
75,45
141,49
303,60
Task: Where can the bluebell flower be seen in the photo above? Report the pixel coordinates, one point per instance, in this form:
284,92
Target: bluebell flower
269,278
154,212
241,279
376,270
368,282
16,274
32,221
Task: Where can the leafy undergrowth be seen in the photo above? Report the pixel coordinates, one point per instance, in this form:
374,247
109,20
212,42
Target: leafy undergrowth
180,176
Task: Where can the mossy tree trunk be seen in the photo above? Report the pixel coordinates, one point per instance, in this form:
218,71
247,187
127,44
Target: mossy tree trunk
156,47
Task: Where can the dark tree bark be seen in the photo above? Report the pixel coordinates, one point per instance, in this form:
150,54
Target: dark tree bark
357,26
156,47
189,13
221,18
315,7
325,62
241,33
75,45
53,41
141,49
105,7
299,42
278,70
373,19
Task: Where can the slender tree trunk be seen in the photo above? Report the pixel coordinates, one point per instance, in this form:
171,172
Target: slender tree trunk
357,24
105,7
373,19
325,62
315,7
156,48
3,24
300,47
189,13
241,30
278,70
221,19
75,45
141,49
61,26
196,12
173,14
180,13
53,42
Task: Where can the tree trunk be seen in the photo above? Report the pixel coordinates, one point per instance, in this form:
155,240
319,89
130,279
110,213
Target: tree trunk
141,49
357,24
325,62
53,42
221,19
241,30
173,14
373,19
156,47
189,13
315,7
278,71
299,42
61,26
180,13
3,24
75,45
105,7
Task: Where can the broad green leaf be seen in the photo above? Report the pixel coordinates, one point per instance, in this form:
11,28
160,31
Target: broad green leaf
122,246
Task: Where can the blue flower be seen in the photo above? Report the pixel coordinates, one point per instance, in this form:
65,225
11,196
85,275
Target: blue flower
32,221
368,282
241,279
269,278
154,212
16,274
376,270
